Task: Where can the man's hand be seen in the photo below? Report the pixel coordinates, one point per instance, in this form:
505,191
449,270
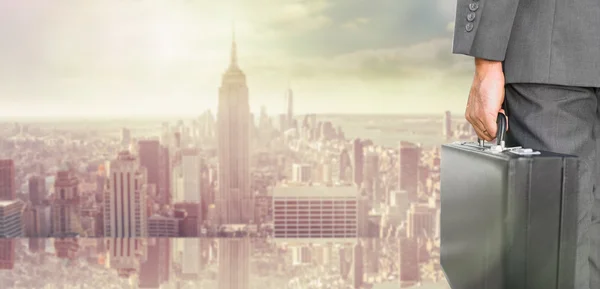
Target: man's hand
485,98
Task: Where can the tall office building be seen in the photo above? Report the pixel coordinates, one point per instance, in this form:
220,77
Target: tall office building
125,138
301,173
152,270
409,158
7,254
289,97
125,198
315,212
7,180
191,173
345,166
190,223
38,221
36,245
190,264
358,262
126,254
357,162
420,221
149,157
409,262
234,265
235,203
37,190
235,198
371,171
447,125
66,206
164,175
164,258
11,219
163,226
283,122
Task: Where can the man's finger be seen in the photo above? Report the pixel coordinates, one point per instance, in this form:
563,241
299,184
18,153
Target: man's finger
482,135
477,125
490,125
480,129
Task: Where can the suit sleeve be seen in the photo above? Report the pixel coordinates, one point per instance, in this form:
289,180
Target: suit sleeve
482,27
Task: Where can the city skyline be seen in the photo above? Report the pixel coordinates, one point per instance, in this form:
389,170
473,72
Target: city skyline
78,60
219,200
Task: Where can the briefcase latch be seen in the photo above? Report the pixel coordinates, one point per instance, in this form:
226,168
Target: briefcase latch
523,151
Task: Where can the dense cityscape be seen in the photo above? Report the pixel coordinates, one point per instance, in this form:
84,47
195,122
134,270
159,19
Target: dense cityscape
229,200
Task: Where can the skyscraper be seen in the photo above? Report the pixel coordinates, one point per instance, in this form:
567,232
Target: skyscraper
234,263
125,137
149,157
11,219
126,254
125,198
302,173
408,262
66,206
235,199
358,162
37,190
447,125
409,155
289,97
164,175
191,172
358,262
7,254
7,180
420,221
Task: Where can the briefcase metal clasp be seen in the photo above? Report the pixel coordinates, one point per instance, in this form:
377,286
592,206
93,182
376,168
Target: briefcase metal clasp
524,152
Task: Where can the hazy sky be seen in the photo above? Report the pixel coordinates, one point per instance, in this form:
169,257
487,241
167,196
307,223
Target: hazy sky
139,57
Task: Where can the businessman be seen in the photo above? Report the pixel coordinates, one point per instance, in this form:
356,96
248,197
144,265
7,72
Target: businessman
542,58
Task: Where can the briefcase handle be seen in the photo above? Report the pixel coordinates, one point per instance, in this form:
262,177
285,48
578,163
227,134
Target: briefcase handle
500,132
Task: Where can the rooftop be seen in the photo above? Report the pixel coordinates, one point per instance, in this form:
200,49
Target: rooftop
315,191
5,203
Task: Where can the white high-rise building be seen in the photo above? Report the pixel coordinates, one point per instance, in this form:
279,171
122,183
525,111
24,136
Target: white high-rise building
301,173
190,170
177,183
190,263
125,198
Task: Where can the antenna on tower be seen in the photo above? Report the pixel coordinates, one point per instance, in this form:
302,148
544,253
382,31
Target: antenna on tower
233,30
233,46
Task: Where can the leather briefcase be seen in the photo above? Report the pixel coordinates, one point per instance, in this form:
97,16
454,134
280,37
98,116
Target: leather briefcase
508,216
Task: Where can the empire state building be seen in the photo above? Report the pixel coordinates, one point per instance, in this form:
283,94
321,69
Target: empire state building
235,199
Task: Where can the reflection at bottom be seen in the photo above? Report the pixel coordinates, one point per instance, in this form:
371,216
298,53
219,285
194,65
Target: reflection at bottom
225,263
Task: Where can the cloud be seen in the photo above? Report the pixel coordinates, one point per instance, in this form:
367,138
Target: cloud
356,23
430,58
289,16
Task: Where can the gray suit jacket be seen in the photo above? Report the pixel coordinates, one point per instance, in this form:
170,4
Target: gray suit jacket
539,41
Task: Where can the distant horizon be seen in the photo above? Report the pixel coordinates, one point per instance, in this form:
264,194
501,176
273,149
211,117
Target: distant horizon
192,116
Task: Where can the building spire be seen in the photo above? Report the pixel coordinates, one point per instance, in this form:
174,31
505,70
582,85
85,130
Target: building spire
233,63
